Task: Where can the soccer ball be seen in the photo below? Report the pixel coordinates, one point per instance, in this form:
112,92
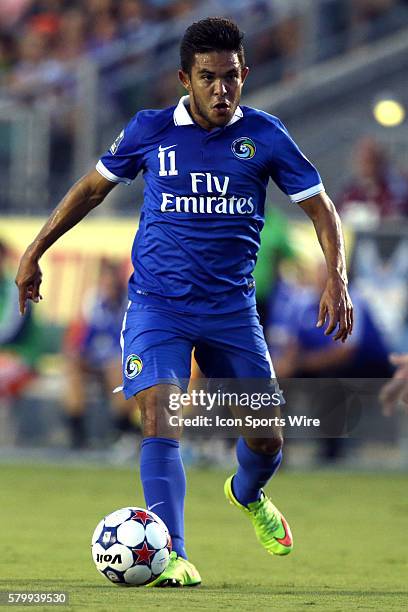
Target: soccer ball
131,546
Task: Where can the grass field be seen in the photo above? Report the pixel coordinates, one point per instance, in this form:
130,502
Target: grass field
350,535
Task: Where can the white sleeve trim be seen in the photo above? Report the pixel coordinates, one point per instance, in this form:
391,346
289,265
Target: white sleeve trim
109,175
307,193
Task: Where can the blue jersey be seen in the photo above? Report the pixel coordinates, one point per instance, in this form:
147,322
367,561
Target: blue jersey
203,211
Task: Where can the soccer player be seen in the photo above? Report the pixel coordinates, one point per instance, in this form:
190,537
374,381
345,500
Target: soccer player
206,163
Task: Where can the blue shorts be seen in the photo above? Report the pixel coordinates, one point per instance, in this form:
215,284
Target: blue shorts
157,346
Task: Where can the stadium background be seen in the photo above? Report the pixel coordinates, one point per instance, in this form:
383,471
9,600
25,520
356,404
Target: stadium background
71,74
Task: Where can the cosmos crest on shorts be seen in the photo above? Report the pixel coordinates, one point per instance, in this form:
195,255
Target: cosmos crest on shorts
133,366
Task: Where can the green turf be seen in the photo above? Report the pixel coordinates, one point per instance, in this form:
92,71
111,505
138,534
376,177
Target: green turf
350,541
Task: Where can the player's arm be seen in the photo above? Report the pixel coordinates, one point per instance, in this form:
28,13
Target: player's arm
84,195
335,302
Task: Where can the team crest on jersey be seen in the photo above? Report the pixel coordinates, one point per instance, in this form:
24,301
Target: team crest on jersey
118,140
133,366
243,148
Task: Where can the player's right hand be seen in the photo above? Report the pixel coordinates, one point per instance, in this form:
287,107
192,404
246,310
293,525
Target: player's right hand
28,281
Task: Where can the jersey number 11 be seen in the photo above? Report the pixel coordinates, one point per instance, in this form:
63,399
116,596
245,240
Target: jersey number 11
171,156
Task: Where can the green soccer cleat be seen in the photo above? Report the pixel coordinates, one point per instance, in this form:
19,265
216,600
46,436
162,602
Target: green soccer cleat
179,573
271,529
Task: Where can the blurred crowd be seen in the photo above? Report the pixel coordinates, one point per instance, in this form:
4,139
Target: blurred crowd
91,350
83,68
377,189
86,359
40,39
344,24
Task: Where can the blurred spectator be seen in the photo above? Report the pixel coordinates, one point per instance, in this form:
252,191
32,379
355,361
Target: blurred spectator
11,11
7,54
275,247
71,42
379,269
96,8
395,392
378,189
300,349
20,337
175,9
278,46
132,19
103,32
36,72
333,24
92,352
372,19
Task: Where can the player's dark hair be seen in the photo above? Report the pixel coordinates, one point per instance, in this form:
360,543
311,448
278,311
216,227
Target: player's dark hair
210,34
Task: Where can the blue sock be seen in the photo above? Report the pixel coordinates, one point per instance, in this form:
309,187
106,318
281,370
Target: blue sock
164,485
254,471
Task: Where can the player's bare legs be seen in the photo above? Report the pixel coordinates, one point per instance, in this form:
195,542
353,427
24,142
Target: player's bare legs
153,404
266,446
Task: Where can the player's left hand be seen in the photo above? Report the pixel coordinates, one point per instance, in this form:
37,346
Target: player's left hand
336,306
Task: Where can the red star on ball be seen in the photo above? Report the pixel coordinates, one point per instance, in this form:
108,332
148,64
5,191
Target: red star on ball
144,553
141,515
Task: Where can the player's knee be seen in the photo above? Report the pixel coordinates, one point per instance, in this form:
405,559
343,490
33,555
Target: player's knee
154,407
266,446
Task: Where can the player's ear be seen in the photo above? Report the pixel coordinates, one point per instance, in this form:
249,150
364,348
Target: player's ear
184,79
244,73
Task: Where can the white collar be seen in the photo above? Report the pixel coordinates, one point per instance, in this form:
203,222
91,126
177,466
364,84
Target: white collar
181,115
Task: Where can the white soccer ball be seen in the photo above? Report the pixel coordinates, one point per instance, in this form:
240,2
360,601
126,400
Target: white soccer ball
131,546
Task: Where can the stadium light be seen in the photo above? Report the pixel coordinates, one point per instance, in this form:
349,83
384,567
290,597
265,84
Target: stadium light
388,111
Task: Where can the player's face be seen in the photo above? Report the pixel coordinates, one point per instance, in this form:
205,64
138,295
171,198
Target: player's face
214,86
